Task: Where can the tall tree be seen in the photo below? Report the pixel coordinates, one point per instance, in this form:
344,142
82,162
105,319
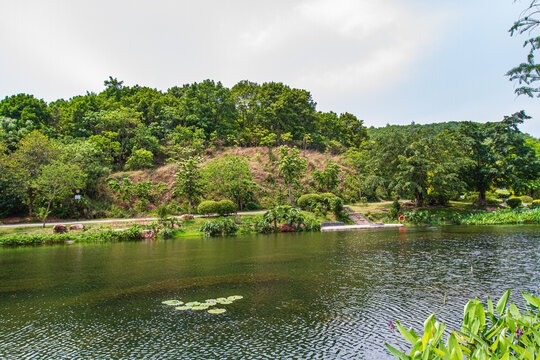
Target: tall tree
127,191
26,108
328,179
21,114
188,182
57,181
429,165
359,160
124,123
291,167
10,195
209,106
230,176
281,109
25,164
498,155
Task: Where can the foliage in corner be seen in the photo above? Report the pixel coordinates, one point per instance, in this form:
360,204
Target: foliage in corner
498,332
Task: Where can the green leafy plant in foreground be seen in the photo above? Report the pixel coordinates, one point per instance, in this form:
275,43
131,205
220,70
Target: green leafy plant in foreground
502,333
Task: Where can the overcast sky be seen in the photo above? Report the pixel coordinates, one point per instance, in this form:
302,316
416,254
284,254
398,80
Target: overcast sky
386,61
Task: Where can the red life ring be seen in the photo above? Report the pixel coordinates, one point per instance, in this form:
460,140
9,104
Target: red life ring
401,218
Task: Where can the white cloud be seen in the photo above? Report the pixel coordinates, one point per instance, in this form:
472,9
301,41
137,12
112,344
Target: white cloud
326,46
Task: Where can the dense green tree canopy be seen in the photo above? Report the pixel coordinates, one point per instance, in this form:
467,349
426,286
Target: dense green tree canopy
136,127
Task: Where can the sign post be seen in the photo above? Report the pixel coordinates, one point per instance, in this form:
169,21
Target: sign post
77,198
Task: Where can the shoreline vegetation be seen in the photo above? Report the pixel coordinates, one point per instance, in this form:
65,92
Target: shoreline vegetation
279,219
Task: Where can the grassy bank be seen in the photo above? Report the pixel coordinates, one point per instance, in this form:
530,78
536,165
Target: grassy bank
459,217
456,213
131,234
130,231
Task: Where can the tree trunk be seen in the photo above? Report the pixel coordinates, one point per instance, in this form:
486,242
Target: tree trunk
359,189
131,211
290,193
482,197
419,198
189,206
46,213
30,201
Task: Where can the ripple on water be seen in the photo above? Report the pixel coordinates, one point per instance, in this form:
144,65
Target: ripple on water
330,296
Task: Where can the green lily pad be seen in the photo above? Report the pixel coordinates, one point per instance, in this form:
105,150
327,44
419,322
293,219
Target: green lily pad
225,302
200,307
217,311
182,308
172,302
193,303
210,300
220,299
235,297
210,304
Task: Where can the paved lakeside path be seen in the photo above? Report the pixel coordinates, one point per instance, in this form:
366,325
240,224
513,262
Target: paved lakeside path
108,221
359,227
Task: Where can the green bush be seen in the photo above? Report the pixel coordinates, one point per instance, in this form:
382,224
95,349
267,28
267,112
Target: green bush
503,194
526,199
493,201
140,159
220,226
223,207
395,210
263,224
490,200
498,331
535,204
419,217
502,217
514,202
311,224
307,201
336,205
39,239
321,203
226,207
208,207
270,221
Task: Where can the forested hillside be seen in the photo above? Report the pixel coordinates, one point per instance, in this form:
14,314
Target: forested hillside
407,129
129,149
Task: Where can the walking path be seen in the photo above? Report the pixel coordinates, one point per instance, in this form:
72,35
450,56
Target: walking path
107,221
360,227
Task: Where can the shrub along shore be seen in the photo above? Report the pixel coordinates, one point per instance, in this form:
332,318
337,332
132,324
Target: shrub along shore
317,208
277,219
497,217
131,234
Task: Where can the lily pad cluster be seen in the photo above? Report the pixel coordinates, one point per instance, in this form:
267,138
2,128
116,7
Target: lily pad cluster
208,303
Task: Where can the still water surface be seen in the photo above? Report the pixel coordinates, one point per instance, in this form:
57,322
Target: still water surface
306,296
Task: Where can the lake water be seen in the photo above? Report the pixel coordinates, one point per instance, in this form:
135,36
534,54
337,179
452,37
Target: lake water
306,296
